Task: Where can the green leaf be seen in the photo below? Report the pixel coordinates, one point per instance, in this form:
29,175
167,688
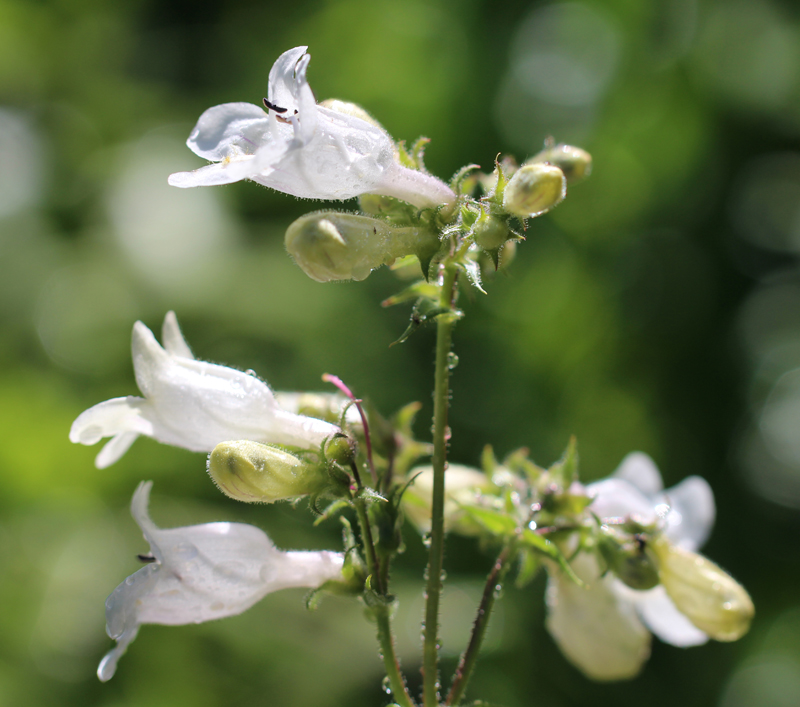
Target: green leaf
529,565
544,547
493,521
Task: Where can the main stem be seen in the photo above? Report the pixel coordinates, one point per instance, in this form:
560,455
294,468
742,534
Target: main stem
441,401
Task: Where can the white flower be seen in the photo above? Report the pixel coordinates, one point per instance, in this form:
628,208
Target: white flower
191,404
203,572
604,629
301,148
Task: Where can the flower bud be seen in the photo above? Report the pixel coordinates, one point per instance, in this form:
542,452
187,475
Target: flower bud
575,163
629,558
329,245
491,232
258,473
709,597
534,190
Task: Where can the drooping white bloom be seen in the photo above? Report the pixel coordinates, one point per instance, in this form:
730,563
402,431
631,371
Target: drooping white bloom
203,572
299,147
604,629
191,404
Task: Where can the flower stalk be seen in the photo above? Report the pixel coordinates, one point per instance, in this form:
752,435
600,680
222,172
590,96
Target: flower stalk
494,582
441,402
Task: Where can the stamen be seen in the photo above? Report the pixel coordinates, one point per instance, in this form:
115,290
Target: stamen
147,559
272,106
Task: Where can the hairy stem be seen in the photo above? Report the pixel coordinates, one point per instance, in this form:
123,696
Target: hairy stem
441,401
369,546
390,662
470,655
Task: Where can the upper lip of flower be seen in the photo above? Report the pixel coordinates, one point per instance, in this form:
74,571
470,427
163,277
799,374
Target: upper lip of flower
302,149
191,404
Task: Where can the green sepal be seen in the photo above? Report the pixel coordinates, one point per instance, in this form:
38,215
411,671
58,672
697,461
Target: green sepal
465,180
519,462
332,509
565,470
372,598
488,460
529,565
473,271
421,289
369,494
545,547
387,520
418,152
409,450
423,312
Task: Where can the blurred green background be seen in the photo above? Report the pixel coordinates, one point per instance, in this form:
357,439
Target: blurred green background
657,309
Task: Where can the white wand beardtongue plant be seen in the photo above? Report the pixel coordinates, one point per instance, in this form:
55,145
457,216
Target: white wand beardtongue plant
301,148
203,572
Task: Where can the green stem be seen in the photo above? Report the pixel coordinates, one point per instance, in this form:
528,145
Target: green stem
470,655
390,662
369,545
441,400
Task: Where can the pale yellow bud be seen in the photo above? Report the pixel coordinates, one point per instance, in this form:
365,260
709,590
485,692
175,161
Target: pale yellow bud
575,163
348,108
258,473
534,189
329,245
709,597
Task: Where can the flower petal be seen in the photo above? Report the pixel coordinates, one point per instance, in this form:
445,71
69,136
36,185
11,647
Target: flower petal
639,470
662,617
109,418
171,335
114,449
616,498
217,174
229,125
692,512
595,627
282,84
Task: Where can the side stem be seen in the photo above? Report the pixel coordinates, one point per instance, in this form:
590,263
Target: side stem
470,655
390,662
441,401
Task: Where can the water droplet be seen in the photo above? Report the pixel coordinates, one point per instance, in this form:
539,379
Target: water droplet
426,539
443,575
184,551
532,525
386,685
498,591
452,360
129,581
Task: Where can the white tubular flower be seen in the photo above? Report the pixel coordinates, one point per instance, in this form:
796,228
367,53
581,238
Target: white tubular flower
191,404
203,572
301,148
604,629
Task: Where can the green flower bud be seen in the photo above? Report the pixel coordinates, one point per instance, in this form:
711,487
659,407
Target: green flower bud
463,486
575,163
629,557
329,245
534,190
709,597
491,232
257,473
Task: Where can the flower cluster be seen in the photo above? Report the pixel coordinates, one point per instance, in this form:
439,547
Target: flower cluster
632,570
